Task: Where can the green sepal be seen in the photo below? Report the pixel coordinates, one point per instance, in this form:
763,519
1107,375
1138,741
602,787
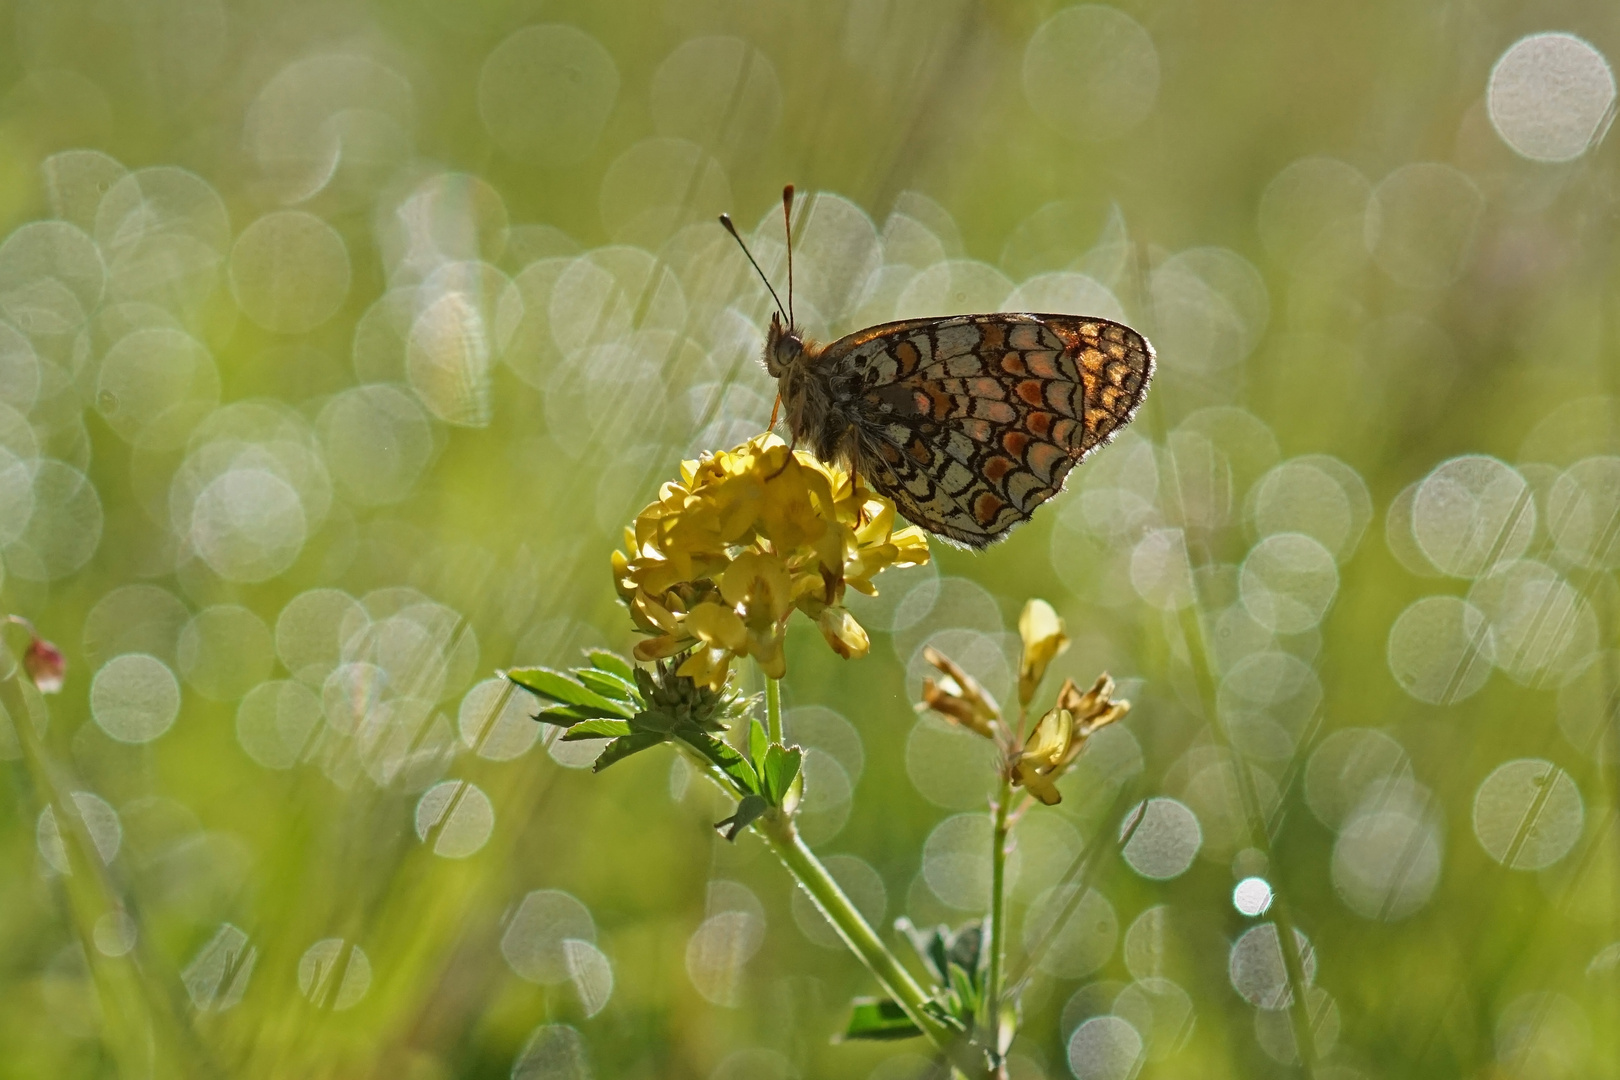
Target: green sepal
607,684
597,729
748,811
558,687
757,743
645,683
613,664
623,747
725,759
781,766
879,1018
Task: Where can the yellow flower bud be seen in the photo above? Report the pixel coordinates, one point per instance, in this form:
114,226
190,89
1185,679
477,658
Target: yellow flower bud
1044,639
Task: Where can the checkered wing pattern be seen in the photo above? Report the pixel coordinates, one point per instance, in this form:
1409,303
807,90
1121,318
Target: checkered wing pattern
969,423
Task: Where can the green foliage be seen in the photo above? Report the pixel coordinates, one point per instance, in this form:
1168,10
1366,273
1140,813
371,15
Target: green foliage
957,961
639,709
879,1019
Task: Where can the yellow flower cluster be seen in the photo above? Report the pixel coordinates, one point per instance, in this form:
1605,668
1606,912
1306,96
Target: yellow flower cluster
746,537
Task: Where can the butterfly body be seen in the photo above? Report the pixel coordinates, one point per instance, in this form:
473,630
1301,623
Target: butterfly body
967,423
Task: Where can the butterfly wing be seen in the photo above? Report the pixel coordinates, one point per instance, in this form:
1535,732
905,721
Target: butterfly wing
969,423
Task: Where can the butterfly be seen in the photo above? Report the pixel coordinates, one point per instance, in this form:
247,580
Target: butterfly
966,423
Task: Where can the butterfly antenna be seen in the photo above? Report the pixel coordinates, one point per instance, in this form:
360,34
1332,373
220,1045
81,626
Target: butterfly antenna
725,219
787,227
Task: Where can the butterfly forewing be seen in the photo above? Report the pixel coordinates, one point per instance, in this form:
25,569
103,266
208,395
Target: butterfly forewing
970,422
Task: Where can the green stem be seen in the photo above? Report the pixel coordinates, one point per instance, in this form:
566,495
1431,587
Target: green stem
999,835
773,708
778,832
138,1028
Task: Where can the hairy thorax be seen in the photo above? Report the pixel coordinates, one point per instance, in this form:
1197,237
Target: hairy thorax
815,418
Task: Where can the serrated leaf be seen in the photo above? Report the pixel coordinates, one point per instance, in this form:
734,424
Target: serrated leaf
879,1018
748,811
613,664
757,743
605,683
781,766
619,749
558,687
725,758
597,729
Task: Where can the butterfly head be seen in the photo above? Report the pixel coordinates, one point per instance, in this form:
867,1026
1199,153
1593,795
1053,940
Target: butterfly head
784,347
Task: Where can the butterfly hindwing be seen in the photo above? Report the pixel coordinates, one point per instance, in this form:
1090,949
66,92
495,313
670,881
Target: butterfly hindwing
970,422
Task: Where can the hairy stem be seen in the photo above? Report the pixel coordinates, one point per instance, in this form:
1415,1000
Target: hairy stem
778,832
139,1027
1000,836
773,708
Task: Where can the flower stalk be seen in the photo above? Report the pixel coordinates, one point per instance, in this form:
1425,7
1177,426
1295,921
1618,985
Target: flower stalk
1000,843
142,1032
784,840
773,708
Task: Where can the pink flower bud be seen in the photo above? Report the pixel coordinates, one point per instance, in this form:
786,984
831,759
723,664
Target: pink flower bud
46,665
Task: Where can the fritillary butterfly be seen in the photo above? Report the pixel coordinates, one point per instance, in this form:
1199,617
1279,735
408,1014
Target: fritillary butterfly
966,422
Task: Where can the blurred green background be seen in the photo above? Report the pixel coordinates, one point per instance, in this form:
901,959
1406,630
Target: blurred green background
338,342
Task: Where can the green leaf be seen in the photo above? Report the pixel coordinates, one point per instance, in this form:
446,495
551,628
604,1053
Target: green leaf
757,743
748,810
781,766
879,1018
728,760
966,947
609,686
558,687
619,749
597,729
930,944
613,664
558,715
966,992
569,715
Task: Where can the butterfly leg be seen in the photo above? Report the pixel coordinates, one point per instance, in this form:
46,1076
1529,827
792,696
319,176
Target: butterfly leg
792,446
774,410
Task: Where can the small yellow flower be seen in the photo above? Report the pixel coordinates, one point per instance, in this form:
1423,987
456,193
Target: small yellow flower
1044,640
745,538
1061,734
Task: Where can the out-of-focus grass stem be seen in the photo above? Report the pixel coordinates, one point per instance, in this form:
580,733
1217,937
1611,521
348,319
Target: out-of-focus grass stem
139,1028
1192,631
